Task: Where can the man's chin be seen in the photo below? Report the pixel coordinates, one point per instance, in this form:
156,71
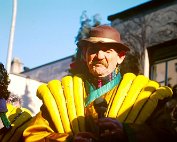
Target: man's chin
100,73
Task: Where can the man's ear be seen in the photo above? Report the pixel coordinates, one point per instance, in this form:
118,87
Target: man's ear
121,55
84,53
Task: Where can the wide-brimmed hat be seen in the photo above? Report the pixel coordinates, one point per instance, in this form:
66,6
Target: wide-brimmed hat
106,35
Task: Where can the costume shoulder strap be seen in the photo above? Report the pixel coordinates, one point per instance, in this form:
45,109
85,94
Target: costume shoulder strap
136,98
64,102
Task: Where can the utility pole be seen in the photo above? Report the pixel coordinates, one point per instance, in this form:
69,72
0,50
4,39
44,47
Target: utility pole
11,39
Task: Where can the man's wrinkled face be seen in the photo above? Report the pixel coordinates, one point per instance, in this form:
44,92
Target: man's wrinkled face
102,61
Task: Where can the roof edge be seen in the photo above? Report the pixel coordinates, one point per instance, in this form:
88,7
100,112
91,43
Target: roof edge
139,9
47,64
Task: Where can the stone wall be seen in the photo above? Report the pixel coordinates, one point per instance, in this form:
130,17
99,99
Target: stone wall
148,28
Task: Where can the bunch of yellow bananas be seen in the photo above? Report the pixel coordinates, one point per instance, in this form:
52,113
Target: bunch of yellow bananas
136,98
65,103
133,101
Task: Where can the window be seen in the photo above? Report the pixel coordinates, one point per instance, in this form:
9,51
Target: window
163,62
165,72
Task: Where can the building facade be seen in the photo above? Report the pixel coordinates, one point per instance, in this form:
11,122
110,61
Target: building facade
53,70
150,30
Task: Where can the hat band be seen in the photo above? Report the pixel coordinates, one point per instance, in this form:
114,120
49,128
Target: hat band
97,39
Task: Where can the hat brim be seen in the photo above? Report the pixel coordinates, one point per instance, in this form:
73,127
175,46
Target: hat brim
119,46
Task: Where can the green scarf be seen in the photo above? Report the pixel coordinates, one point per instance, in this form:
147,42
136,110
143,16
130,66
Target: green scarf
96,93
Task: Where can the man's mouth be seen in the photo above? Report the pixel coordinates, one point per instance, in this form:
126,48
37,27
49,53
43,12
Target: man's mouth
102,62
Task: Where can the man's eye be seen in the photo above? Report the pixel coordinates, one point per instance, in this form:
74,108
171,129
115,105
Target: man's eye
93,50
109,50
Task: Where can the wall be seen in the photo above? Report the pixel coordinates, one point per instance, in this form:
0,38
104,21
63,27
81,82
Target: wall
50,71
154,22
26,89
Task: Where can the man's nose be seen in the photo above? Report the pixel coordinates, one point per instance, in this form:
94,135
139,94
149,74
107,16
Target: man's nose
100,54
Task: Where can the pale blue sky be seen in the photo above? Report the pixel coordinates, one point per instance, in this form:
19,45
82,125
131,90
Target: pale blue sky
46,29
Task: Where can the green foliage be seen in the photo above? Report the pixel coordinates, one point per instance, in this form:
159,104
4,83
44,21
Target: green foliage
4,82
87,24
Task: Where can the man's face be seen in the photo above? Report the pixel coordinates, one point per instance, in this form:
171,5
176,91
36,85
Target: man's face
101,60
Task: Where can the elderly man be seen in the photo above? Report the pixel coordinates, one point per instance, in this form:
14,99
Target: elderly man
97,103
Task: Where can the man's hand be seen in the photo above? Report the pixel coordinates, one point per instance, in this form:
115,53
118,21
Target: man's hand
85,137
111,130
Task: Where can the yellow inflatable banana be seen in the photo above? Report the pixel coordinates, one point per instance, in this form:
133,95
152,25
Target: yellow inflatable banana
67,83
45,95
57,92
79,101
